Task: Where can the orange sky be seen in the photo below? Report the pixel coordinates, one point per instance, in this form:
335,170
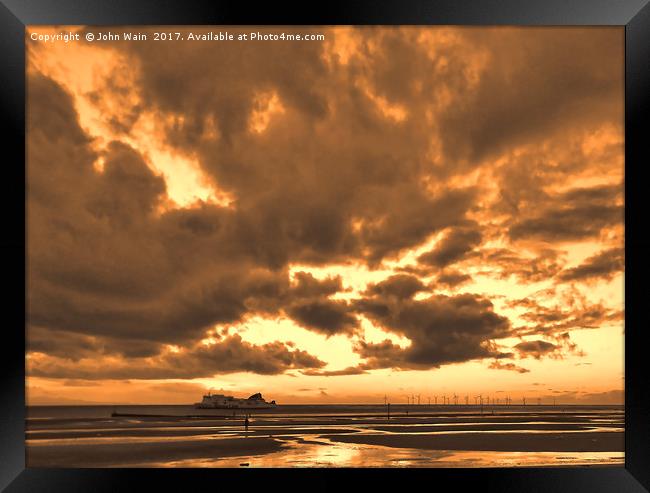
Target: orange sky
391,211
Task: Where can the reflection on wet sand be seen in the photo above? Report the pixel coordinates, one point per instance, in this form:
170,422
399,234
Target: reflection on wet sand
330,454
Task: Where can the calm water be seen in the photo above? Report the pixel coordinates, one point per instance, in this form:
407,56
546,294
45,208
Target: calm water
325,436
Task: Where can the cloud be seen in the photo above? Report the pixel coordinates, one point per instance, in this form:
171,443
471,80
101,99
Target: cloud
128,191
497,365
452,278
178,388
228,355
573,311
399,285
74,382
354,151
453,247
604,265
351,370
611,397
577,214
306,286
327,317
104,261
305,214
442,329
504,262
76,346
535,349
533,86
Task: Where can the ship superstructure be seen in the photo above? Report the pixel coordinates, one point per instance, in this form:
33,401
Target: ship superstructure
220,401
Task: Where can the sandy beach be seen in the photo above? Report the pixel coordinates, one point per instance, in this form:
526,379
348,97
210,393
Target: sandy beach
328,437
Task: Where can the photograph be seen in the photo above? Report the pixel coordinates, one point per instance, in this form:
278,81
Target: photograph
325,246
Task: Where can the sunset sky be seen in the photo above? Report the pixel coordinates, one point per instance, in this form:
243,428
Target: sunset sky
387,212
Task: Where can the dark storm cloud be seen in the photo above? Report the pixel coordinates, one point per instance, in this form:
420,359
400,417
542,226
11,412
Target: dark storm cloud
535,349
385,354
104,263
527,179
307,303
497,88
399,285
414,220
121,116
452,278
327,317
128,189
536,85
332,179
604,265
298,200
578,214
453,247
106,266
76,346
442,329
61,344
566,224
306,286
295,70
229,355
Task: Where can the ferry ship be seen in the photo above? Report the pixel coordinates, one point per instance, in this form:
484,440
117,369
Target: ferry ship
220,401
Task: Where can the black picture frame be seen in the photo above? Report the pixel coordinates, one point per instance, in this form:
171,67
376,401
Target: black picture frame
634,15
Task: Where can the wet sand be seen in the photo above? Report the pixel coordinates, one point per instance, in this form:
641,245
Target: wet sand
431,439
497,442
125,454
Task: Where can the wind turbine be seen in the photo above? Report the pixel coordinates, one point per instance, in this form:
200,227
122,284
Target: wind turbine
455,399
435,399
466,400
